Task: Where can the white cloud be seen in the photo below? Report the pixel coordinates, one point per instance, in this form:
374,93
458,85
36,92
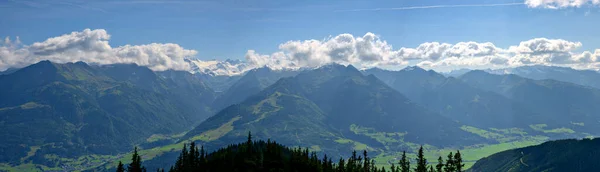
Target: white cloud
156,56
92,46
544,51
368,50
557,4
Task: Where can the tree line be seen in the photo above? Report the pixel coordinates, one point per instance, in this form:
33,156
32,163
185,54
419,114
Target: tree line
269,156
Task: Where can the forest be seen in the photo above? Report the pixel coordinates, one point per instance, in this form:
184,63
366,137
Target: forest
272,156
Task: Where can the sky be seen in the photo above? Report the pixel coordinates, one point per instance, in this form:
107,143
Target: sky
160,33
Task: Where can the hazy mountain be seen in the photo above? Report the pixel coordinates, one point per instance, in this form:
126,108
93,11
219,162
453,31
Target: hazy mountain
561,155
319,108
8,71
73,109
562,103
218,83
456,73
539,72
455,99
251,83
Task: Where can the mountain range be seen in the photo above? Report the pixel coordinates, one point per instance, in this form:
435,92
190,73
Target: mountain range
321,107
75,109
51,112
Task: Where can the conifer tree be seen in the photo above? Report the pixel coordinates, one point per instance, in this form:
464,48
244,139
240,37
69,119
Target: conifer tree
373,167
341,165
440,165
458,161
421,161
249,142
449,167
270,156
366,166
120,167
136,163
404,163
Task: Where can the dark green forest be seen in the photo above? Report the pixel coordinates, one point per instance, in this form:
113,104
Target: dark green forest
271,156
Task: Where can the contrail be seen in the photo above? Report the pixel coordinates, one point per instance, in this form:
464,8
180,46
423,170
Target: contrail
431,6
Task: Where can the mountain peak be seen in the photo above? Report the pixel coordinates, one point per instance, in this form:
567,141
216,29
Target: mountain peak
44,66
338,69
476,73
413,68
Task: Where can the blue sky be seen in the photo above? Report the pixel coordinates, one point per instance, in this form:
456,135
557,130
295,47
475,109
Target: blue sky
227,29
435,34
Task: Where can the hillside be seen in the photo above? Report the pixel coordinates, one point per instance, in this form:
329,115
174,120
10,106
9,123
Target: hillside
563,105
252,82
68,110
561,155
333,108
455,99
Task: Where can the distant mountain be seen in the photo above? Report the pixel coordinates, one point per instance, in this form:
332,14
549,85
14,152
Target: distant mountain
8,71
539,72
218,68
219,83
72,109
456,73
561,103
562,155
323,109
250,83
455,99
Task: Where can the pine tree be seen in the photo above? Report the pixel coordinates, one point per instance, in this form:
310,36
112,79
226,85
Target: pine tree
136,163
270,156
366,166
458,161
120,167
404,163
249,137
440,164
341,165
421,161
449,167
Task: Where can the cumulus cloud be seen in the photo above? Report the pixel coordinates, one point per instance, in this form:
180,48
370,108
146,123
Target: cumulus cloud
92,46
371,51
368,50
544,51
557,4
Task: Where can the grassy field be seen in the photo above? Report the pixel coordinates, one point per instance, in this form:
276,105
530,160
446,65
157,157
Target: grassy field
542,128
509,138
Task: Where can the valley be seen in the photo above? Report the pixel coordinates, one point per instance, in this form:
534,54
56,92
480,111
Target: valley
329,110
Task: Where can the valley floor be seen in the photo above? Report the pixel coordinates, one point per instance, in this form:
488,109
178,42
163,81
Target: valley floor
505,139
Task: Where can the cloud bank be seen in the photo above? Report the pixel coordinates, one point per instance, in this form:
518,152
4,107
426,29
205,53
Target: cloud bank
92,46
368,50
